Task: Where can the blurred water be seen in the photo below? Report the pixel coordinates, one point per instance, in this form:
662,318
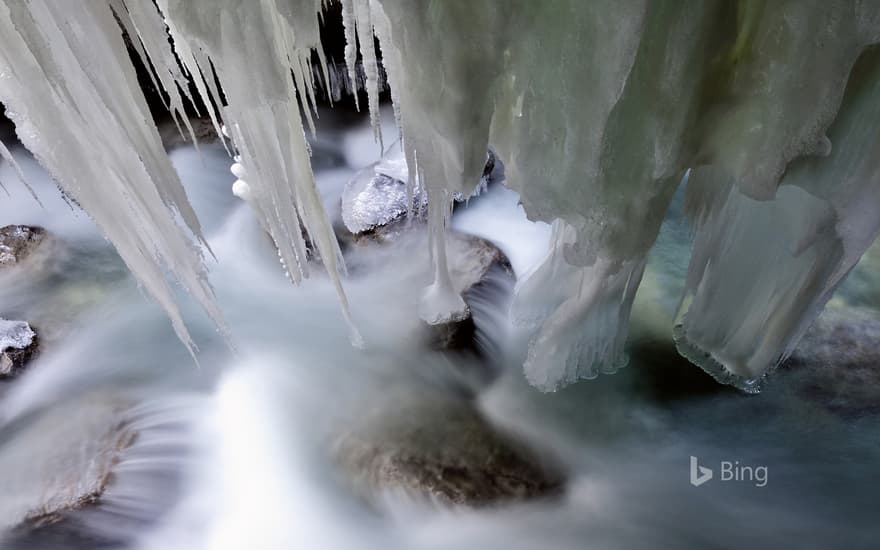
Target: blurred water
236,453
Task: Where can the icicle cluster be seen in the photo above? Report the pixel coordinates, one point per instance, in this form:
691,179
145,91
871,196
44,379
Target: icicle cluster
68,84
596,108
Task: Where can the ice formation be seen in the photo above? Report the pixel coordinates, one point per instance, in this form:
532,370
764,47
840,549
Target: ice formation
770,266
70,88
596,108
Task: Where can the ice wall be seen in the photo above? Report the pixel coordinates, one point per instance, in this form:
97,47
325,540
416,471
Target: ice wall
597,111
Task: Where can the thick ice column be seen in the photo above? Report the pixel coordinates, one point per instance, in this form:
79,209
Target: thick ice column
761,271
597,138
581,313
71,90
254,48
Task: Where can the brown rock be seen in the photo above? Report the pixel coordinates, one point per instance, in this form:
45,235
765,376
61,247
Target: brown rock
443,450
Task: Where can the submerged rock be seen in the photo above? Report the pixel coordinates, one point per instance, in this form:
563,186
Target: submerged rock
18,345
443,450
837,363
61,461
377,196
17,242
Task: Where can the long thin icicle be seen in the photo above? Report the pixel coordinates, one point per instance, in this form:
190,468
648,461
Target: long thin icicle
150,39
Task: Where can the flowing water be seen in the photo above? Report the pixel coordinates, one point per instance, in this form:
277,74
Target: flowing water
236,451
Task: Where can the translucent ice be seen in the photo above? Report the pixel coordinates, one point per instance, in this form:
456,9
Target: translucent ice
70,88
761,271
255,47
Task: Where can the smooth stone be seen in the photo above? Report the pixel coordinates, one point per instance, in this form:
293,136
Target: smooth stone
62,461
442,450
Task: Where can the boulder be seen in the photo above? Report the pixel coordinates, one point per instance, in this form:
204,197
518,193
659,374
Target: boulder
62,460
18,345
441,449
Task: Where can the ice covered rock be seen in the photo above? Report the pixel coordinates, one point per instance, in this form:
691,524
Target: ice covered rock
441,449
17,242
377,195
18,344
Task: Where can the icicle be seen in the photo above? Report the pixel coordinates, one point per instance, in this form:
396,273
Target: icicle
195,67
6,155
350,23
147,33
73,95
390,60
364,25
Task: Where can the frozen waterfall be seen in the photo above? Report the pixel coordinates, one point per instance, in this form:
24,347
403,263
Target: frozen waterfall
597,110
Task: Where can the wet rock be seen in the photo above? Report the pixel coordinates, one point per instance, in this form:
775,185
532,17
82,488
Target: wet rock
441,449
17,242
377,198
18,345
60,461
837,363
470,261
